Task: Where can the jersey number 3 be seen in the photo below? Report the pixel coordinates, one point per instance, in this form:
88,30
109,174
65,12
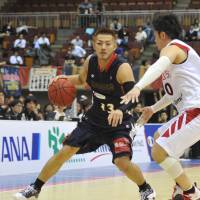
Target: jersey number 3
107,107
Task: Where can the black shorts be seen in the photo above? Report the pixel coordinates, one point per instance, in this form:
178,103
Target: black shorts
90,137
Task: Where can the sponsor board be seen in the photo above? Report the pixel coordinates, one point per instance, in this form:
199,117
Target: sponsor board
149,130
25,146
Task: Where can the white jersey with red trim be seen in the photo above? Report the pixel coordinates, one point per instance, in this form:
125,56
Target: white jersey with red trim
182,81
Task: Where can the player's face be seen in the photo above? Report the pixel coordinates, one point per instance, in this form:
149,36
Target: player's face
104,46
159,39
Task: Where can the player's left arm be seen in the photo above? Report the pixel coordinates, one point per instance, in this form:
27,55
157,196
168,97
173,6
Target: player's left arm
126,79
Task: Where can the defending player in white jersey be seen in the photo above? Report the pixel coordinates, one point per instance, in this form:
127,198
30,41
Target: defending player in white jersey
179,66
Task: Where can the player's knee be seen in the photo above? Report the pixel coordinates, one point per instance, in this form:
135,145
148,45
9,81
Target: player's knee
67,151
122,163
158,153
172,166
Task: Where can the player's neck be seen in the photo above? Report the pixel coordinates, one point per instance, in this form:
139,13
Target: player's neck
104,65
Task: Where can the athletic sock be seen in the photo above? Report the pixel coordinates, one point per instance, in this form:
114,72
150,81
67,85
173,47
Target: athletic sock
143,186
38,184
191,190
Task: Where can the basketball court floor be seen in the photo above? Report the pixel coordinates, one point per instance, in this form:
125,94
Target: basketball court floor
105,183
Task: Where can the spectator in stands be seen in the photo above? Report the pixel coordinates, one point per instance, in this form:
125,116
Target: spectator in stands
85,10
149,32
76,51
99,9
30,111
119,50
48,112
69,63
21,98
127,56
40,115
192,33
15,112
174,112
23,29
20,42
196,21
35,43
89,31
3,106
141,35
163,118
16,59
119,41
195,31
9,29
2,36
77,41
43,50
43,41
9,99
59,113
115,25
123,35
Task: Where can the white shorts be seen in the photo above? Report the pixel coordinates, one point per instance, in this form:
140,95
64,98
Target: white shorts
180,133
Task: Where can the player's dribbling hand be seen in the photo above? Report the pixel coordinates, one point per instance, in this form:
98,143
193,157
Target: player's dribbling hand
115,118
132,96
147,113
56,78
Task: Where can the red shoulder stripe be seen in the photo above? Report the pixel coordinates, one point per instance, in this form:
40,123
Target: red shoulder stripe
183,47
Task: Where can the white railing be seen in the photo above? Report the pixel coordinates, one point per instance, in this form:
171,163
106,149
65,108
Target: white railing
73,19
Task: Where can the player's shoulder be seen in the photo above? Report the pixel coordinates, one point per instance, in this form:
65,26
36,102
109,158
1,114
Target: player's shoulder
90,58
178,44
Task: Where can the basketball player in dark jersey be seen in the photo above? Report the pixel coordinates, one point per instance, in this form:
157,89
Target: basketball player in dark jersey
106,122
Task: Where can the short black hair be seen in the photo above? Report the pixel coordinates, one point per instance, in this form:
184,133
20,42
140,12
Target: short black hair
30,99
167,23
105,31
15,102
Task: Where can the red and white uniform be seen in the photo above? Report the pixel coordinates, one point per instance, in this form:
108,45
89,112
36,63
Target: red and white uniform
181,83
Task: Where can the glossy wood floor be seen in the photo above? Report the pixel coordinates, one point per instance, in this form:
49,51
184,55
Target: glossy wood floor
113,186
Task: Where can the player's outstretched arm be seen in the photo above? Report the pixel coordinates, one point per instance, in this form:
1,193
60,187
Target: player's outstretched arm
148,111
167,56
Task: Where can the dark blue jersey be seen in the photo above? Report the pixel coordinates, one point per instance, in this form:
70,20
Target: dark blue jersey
106,90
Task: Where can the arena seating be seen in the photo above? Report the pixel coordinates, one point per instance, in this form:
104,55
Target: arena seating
67,6
194,4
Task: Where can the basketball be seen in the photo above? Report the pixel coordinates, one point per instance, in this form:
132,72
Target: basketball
61,92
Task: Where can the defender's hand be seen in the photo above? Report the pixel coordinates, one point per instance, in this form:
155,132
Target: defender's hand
147,113
132,95
115,118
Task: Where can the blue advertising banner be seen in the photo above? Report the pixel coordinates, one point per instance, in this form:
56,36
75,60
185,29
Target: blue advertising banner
149,130
11,80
